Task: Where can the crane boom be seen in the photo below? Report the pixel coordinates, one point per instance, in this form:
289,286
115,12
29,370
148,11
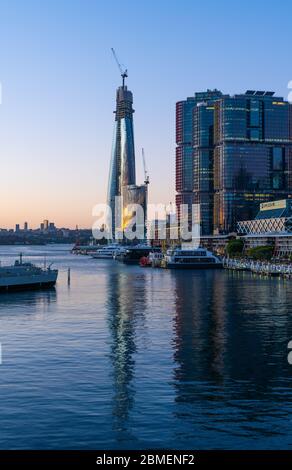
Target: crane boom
123,70
146,181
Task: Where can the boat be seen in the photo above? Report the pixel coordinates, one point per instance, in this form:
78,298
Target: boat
85,249
24,275
198,258
144,262
155,259
133,254
106,252
119,252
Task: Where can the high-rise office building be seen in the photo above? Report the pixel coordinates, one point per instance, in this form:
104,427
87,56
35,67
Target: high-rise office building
252,155
232,153
25,226
194,131
203,164
203,148
184,181
122,176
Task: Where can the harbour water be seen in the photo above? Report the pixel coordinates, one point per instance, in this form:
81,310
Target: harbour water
133,358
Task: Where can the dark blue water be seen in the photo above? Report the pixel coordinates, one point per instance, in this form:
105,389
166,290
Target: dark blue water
137,358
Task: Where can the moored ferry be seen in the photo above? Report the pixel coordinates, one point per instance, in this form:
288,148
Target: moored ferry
106,252
198,258
155,259
133,254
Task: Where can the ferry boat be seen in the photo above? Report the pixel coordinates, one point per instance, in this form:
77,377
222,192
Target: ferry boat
106,252
155,259
119,252
85,249
198,258
22,276
133,254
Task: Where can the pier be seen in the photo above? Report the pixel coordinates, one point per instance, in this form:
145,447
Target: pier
264,268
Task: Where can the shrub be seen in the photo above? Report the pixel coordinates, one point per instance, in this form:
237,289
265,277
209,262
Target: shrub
234,247
264,252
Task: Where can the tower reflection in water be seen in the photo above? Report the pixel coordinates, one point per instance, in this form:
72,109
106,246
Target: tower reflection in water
197,354
126,306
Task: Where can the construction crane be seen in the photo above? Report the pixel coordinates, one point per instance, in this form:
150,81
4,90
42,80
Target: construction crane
146,176
123,70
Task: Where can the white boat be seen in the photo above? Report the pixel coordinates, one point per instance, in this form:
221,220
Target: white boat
26,276
119,252
197,258
106,252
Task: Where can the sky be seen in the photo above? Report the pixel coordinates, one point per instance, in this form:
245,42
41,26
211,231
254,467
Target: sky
59,81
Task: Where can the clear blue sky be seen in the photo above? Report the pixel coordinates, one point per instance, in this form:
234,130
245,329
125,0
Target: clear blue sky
59,82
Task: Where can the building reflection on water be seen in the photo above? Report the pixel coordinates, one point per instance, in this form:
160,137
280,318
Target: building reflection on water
227,347
126,306
199,326
230,342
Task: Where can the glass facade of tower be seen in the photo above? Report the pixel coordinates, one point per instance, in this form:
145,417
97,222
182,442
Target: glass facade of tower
232,153
122,167
203,131
184,154
252,155
188,162
133,195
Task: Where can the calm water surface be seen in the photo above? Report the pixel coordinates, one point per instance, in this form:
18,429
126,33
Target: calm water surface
127,357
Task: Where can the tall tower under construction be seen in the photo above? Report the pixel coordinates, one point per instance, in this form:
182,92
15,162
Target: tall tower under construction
122,175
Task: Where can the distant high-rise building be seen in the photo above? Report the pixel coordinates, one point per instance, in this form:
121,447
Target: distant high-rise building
25,226
46,224
42,226
252,155
122,176
52,226
17,228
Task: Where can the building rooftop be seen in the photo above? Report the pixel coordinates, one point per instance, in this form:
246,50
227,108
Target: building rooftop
259,93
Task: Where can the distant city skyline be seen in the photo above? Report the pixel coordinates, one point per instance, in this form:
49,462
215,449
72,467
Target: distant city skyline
44,224
59,82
